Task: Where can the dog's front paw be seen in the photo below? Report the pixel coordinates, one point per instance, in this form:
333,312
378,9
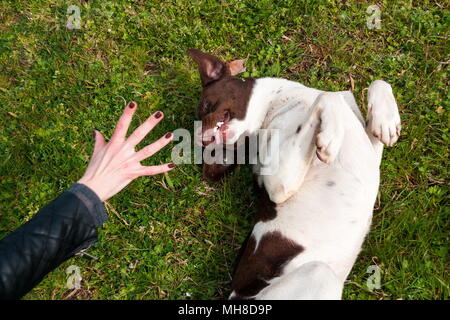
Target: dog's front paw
330,137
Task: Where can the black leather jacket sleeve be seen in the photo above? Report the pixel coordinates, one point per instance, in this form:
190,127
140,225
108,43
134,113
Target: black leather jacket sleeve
58,231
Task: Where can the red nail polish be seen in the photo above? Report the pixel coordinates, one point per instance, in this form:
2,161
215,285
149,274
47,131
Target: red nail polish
169,135
171,165
158,115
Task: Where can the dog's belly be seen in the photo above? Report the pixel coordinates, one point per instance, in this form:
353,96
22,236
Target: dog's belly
331,213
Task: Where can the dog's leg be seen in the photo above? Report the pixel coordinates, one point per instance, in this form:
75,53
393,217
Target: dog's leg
295,154
383,119
312,281
324,129
332,107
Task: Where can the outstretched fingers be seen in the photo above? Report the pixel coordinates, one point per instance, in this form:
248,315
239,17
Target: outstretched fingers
151,149
139,134
99,141
120,132
153,170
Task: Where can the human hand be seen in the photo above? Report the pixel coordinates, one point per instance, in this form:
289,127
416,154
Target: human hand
115,164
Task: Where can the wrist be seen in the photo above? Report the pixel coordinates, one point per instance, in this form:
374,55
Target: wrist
91,200
91,185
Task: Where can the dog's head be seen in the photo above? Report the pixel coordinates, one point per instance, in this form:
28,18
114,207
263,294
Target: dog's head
223,104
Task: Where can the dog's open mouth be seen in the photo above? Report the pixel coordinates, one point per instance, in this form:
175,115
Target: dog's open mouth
218,133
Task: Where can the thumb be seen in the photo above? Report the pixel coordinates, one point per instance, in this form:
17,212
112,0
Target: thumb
99,141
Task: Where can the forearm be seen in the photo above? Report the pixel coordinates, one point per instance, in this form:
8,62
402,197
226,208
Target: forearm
58,231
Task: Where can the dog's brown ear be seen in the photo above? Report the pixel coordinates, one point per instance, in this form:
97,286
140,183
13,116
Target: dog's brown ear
236,67
211,68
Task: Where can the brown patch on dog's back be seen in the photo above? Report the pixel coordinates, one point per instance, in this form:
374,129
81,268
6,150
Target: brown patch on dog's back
258,267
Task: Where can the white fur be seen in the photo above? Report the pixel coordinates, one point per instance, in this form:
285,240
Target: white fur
325,206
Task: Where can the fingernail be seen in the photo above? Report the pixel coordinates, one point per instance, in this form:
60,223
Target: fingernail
171,165
158,115
131,104
169,135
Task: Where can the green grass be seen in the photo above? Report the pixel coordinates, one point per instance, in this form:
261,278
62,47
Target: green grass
176,237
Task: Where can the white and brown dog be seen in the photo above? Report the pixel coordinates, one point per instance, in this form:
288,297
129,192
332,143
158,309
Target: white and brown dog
316,209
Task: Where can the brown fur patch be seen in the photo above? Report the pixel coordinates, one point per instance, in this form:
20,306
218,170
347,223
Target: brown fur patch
256,268
227,94
267,208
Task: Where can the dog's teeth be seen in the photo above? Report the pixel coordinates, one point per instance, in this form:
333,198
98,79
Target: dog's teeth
218,125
